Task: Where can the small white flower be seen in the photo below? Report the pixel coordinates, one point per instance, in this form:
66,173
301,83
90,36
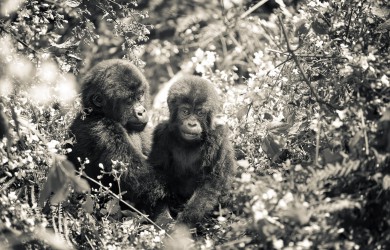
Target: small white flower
277,244
364,63
298,167
270,194
12,196
319,43
259,215
305,244
245,177
51,146
337,123
258,58
385,80
277,177
288,197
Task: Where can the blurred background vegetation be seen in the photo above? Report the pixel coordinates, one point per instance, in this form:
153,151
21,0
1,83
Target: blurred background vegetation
306,93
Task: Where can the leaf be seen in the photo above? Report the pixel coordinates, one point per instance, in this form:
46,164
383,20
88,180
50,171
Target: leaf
295,128
270,147
88,204
291,118
297,213
278,127
242,112
355,139
3,124
243,163
386,182
320,26
301,28
65,45
60,178
112,206
72,3
380,12
386,116
383,27
330,157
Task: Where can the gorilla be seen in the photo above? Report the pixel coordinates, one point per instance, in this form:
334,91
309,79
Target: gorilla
115,97
191,154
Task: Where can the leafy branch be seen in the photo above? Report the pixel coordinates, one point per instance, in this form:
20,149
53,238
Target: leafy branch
305,79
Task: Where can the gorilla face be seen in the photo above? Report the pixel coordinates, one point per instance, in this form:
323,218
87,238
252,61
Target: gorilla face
119,91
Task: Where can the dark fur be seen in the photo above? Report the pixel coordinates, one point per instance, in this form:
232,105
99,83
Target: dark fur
195,173
103,133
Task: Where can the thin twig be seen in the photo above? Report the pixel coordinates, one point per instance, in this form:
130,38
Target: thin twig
234,242
18,40
256,6
318,136
307,55
280,64
364,132
89,242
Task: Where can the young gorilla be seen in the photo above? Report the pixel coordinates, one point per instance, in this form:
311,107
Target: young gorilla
114,97
191,155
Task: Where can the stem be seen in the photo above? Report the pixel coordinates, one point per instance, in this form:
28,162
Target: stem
18,40
318,141
367,151
256,6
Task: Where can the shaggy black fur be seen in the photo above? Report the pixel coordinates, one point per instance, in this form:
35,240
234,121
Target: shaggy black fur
114,97
191,155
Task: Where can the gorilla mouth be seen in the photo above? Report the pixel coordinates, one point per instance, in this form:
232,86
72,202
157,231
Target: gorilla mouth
189,136
135,126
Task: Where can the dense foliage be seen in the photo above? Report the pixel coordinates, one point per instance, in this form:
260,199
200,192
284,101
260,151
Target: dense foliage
306,91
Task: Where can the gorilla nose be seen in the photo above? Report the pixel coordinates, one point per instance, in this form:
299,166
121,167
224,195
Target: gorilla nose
192,124
140,112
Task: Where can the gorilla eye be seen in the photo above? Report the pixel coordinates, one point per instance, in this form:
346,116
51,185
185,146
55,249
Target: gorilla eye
141,98
200,113
185,111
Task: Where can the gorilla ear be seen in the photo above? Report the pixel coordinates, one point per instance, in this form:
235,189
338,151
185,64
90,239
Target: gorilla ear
98,100
217,120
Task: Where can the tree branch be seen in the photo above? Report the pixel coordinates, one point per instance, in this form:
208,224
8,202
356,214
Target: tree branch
305,79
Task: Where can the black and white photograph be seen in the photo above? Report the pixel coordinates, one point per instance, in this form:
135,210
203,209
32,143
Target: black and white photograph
199,124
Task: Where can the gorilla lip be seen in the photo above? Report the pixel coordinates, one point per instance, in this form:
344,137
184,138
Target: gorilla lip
189,136
139,126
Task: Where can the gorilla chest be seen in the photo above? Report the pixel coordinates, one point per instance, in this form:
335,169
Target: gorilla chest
186,172
186,162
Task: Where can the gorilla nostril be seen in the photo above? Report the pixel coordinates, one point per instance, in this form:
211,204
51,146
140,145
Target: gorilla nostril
140,112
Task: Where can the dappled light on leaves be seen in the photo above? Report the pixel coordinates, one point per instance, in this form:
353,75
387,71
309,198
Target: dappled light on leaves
66,88
42,93
6,86
9,6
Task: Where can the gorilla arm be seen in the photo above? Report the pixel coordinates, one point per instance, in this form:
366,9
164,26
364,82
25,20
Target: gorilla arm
101,140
